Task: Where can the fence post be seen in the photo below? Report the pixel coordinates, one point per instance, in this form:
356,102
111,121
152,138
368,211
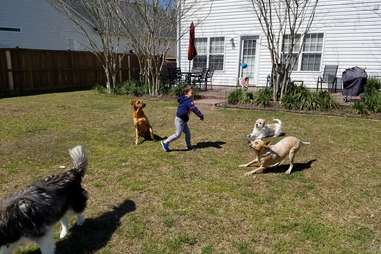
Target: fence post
73,84
120,68
8,58
129,66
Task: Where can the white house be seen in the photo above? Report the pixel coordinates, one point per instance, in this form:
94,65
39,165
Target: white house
36,24
346,33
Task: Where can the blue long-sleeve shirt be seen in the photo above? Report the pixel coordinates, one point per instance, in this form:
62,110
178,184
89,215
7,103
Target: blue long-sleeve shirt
186,105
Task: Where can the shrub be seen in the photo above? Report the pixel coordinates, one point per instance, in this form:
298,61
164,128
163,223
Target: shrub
263,97
371,100
372,85
100,89
133,88
247,97
240,96
177,90
236,96
325,101
360,107
165,89
300,98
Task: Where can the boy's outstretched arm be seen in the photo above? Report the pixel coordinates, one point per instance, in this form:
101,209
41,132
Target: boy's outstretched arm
197,111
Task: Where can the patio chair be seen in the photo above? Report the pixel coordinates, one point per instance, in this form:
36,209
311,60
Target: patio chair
329,77
208,78
178,76
197,76
204,78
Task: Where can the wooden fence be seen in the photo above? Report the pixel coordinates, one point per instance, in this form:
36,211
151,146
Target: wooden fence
27,71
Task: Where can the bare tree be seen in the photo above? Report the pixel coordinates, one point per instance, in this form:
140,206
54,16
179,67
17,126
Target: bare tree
98,22
151,28
284,23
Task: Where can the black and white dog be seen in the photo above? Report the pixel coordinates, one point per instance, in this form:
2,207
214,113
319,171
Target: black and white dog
30,214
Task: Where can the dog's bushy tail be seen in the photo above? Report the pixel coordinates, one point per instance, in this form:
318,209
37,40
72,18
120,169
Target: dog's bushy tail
277,120
79,158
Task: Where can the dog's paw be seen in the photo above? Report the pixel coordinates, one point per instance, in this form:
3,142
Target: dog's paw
248,173
242,166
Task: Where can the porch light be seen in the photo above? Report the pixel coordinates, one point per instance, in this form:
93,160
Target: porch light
232,42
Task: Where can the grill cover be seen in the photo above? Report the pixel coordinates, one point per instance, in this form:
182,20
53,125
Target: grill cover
354,80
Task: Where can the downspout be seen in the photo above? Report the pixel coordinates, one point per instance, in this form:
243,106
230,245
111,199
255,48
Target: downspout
178,53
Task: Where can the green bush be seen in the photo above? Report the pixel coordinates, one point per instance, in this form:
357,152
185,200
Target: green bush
236,96
165,89
240,96
100,89
132,88
325,101
247,97
263,97
372,85
371,99
177,90
360,108
300,98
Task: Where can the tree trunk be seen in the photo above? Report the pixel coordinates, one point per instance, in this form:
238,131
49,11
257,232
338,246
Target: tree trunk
108,80
113,79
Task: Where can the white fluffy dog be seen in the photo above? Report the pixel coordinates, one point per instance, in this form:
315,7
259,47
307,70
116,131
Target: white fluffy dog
264,130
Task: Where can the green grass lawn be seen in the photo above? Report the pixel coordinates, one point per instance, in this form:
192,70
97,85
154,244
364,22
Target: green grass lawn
145,201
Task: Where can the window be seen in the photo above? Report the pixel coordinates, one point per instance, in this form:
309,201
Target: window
212,56
216,53
311,55
200,61
287,44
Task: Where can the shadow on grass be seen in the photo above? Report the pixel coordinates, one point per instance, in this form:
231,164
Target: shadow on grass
155,138
95,233
283,168
159,138
203,145
209,144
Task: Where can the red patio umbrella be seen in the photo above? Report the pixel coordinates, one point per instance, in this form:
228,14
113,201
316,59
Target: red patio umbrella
192,52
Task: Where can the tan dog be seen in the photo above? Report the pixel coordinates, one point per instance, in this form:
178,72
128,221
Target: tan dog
262,129
142,126
268,155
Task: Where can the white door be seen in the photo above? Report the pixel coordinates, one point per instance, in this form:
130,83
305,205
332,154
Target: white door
248,53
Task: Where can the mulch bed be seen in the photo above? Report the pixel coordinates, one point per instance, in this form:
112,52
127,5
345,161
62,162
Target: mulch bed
342,111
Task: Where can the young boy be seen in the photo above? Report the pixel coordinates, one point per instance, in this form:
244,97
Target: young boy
186,105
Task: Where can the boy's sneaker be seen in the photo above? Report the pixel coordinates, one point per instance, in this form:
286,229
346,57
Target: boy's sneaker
189,148
165,146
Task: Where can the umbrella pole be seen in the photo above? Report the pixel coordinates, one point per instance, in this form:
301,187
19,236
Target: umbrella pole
189,75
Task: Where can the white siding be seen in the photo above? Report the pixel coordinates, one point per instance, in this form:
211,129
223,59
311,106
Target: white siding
42,26
352,36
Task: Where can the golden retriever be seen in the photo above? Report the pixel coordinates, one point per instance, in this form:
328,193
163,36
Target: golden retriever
142,126
268,155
